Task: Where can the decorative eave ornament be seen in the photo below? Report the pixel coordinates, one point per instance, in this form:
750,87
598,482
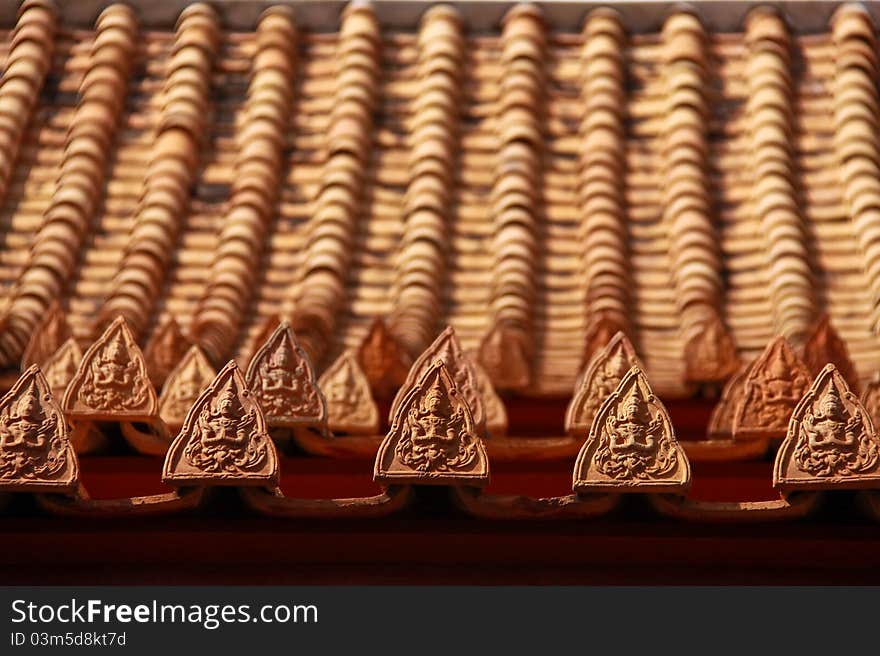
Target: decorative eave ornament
112,385
164,351
283,382
224,440
112,381
433,438
599,380
52,332
631,446
264,331
35,450
824,346
601,330
493,406
871,399
504,354
831,443
350,404
710,355
447,349
62,366
775,383
721,419
383,360
184,384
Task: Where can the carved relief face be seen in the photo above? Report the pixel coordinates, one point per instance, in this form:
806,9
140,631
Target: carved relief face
432,437
447,349
184,385
223,439
830,439
599,381
710,356
833,438
113,373
350,405
435,435
774,385
112,378
631,444
60,369
634,441
35,448
283,380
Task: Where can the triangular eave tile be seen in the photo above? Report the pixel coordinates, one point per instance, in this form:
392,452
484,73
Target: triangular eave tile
35,457
101,399
811,459
399,461
604,467
204,454
350,404
297,378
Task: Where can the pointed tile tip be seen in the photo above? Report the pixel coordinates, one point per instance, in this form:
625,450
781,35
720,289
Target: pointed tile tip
164,350
831,442
631,446
184,385
35,450
112,381
447,349
599,380
49,335
432,440
721,420
504,354
350,404
710,355
776,382
224,438
282,379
